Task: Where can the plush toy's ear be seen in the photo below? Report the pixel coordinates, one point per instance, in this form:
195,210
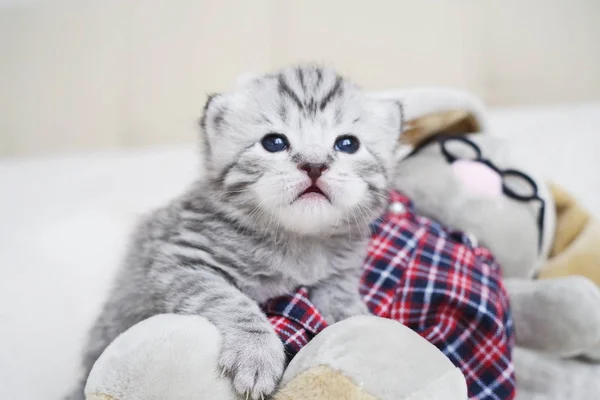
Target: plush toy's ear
576,247
453,122
430,111
571,219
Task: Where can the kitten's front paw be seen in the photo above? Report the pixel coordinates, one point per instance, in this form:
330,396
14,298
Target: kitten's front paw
255,362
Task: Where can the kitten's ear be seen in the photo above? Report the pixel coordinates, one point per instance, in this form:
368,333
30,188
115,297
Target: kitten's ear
210,98
394,116
403,149
400,108
212,118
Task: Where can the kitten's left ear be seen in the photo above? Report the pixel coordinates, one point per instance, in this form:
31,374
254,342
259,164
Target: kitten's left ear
390,114
394,116
402,149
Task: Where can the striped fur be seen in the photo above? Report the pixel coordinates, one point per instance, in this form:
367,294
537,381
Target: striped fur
240,235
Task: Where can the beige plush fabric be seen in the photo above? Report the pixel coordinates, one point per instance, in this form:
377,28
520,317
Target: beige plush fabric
320,383
446,122
99,396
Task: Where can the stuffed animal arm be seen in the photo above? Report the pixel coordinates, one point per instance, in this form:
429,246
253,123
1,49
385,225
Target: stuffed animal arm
548,312
174,357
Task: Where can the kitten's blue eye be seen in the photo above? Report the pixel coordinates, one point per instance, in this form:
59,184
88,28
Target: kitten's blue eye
274,142
347,144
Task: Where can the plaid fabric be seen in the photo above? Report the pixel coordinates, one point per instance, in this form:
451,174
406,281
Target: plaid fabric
434,281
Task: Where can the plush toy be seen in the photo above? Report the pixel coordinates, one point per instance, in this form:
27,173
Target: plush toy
460,175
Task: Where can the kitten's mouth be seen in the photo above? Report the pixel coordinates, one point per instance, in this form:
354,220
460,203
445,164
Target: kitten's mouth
313,192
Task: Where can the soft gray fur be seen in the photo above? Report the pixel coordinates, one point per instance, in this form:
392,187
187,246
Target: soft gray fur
242,235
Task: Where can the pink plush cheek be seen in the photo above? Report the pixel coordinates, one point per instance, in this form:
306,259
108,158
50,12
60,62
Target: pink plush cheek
478,178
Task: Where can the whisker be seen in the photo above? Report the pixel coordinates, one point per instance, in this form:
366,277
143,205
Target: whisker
279,220
364,213
249,218
337,220
348,223
386,197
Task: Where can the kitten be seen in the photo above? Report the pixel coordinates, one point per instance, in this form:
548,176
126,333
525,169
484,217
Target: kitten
297,165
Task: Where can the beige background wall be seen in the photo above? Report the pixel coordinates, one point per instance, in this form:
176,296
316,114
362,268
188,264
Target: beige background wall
94,74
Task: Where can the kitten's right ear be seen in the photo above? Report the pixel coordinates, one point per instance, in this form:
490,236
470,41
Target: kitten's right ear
209,100
212,119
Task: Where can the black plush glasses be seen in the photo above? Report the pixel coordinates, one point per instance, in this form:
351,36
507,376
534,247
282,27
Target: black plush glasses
515,184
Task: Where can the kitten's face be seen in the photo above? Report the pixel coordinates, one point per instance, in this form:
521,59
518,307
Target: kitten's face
303,150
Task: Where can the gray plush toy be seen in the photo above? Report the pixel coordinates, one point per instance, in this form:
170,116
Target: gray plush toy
460,175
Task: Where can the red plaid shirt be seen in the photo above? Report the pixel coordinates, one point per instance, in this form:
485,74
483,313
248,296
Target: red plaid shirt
437,283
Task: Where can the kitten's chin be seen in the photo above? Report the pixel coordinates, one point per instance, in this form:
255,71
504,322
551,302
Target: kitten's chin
311,215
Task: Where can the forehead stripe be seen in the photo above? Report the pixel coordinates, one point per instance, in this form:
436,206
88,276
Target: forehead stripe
336,90
284,89
300,73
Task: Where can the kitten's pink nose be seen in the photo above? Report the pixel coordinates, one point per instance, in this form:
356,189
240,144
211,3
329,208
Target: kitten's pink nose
314,171
478,178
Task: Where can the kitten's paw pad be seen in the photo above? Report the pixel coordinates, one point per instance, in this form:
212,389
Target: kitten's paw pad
256,362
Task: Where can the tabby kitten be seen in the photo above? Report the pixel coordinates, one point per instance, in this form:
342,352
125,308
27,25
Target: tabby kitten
297,165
